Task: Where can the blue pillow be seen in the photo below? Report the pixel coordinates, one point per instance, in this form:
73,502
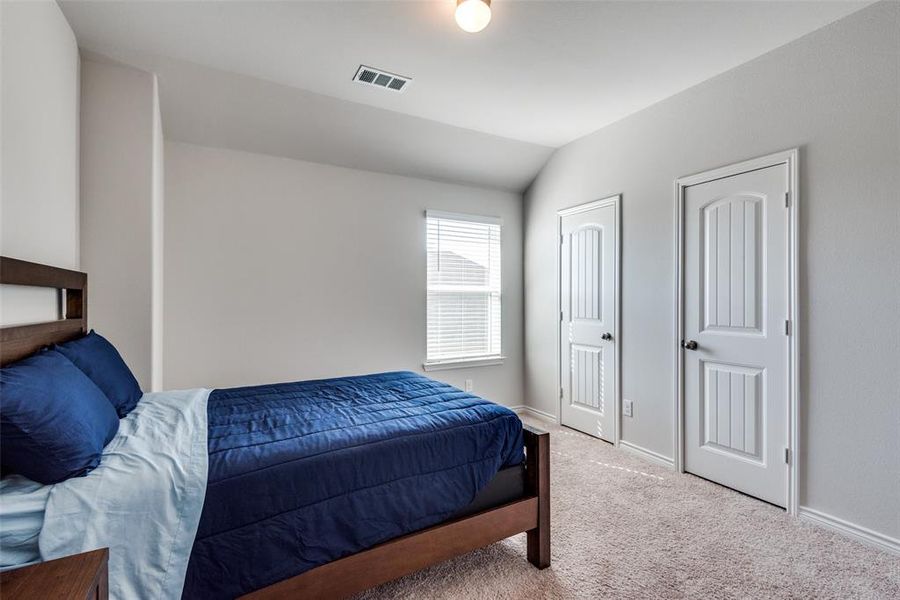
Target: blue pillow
100,361
54,422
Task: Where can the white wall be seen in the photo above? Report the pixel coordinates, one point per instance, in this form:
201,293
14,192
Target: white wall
120,205
836,95
39,192
281,270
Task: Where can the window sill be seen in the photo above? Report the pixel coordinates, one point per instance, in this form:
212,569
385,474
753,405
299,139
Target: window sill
463,363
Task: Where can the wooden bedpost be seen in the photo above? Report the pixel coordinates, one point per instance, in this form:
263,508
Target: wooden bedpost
537,482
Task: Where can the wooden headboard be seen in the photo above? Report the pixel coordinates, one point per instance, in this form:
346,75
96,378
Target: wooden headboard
18,341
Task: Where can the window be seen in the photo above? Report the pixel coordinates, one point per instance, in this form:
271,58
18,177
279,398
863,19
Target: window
463,289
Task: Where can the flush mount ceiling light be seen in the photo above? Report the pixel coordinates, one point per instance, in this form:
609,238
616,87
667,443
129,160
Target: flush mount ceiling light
473,15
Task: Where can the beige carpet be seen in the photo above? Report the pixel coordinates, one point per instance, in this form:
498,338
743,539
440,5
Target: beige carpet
624,528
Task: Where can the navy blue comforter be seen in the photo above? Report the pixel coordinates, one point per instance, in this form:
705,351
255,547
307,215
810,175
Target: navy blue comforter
303,473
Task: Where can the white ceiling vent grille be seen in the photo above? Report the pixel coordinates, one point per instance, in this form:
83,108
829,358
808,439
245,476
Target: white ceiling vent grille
382,79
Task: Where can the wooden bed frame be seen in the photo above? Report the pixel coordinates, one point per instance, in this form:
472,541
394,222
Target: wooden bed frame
357,572
19,341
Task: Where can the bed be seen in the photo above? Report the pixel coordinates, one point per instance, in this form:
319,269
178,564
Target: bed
306,489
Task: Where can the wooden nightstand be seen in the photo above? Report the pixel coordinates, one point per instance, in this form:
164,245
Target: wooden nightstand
82,576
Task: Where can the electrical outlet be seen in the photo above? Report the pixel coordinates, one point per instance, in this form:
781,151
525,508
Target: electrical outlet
627,408
468,385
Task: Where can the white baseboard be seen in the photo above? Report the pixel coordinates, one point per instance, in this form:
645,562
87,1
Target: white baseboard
647,454
857,532
538,414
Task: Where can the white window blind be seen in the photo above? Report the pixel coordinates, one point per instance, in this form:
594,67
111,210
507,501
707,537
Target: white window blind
463,287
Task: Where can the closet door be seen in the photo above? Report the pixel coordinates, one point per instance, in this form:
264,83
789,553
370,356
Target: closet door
588,370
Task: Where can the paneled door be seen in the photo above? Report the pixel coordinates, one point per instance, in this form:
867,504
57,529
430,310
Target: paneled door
588,307
735,346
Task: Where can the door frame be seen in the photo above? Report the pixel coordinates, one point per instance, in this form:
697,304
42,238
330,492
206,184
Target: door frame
616,201
790,158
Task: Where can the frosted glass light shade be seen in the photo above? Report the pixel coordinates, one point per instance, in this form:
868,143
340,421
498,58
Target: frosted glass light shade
473,15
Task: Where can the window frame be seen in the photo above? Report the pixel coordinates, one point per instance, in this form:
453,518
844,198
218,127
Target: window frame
462,362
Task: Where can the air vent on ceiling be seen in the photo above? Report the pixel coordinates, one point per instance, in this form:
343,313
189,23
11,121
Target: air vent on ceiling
382,79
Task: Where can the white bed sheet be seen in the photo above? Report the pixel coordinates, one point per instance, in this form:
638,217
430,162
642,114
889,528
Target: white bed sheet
22,503
143,501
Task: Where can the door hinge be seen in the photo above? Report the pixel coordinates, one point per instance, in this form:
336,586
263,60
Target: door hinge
560,315
787,327
560,239
787,456
787,199
560,392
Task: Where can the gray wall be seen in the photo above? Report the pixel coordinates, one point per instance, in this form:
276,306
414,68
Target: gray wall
120,222
279,270
836,94
39,191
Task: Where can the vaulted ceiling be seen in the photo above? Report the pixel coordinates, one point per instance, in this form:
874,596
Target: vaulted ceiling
486,108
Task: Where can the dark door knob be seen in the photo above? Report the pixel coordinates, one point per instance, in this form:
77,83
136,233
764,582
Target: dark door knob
606,336
689,345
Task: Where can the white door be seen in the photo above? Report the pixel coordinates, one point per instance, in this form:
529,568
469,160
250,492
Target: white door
588,262
735,337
